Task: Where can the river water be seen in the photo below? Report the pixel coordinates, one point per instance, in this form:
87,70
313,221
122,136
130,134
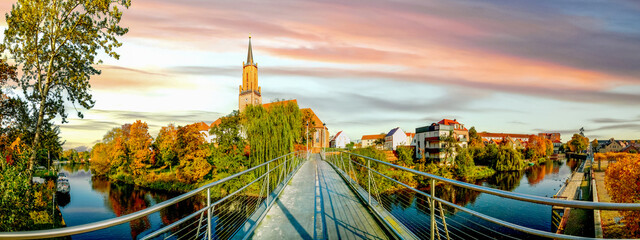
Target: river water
93,199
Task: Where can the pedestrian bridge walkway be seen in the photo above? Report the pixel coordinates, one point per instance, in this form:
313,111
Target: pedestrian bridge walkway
337,195
318,204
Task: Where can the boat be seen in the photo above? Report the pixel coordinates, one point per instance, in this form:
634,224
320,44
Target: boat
62,184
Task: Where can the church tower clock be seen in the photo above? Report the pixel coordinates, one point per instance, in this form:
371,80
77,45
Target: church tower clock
250,93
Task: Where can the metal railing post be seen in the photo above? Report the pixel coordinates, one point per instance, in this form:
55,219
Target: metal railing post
369,177
209,213
433,212
268,183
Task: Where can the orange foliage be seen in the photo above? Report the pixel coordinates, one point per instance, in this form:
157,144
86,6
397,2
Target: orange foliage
622,180
139,146
540,146
192,154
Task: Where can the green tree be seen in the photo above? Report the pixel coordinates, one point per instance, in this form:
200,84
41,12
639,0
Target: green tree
464,162
474,138
227,134
578,143
56,42
450,145
508,159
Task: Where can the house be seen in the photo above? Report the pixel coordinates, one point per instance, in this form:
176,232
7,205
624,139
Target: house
428,139
612,145
396,137
632,148
340,140
487,137
410,137
370,140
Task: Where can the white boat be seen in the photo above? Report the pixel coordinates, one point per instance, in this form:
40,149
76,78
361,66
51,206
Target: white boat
62,184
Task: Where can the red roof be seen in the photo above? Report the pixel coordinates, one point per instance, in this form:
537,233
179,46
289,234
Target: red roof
336,136
411,135
216,123
372,137
451,122
268,105
316,120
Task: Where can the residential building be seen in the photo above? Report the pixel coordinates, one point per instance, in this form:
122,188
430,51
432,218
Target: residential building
396,137
632,148
612,145
429,139
488,137
340,140
370,140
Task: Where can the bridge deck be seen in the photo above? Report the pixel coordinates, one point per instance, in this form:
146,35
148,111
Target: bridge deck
318,204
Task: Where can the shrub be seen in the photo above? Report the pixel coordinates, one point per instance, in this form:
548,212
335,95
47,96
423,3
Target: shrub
622,180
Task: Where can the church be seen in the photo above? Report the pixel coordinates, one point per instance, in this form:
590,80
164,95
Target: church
251,94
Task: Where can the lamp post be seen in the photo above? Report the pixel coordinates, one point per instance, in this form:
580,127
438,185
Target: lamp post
307,137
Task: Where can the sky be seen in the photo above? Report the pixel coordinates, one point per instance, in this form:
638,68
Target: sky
365,67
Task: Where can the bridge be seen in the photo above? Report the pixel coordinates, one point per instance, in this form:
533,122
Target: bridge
331,195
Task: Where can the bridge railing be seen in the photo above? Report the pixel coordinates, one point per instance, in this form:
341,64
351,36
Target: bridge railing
374,180
230,203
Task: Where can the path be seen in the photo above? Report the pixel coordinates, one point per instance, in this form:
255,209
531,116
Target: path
318,204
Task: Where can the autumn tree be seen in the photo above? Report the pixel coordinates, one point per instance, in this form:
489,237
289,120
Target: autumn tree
139,147
192,154
56,43
165,146
539,147
595,146
578,143
622,180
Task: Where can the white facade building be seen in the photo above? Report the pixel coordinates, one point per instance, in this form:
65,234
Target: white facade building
340,140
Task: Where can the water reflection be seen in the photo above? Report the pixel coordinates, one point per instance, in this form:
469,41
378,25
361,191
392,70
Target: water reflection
541,180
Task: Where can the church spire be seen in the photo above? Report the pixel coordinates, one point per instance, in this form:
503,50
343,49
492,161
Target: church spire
250,54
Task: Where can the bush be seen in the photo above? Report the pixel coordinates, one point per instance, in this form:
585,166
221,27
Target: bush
622,180
405,155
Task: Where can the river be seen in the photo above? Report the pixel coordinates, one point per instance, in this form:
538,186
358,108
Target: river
92,199
95,199
543,180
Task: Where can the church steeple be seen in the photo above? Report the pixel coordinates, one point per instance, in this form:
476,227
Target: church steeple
250,92
250,54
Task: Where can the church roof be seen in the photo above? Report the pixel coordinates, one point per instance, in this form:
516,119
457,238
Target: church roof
250,54
314,118
284,102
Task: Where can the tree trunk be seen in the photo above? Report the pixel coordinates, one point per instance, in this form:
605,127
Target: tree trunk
36,139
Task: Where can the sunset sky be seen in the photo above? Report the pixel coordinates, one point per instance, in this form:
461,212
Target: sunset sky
368,66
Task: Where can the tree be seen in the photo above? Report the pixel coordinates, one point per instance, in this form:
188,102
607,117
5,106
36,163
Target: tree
227,134
139,146
539,147
165,146
464,162
595,146
578,143
380,141
450,145
474,138
56,43
622,180
508,159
